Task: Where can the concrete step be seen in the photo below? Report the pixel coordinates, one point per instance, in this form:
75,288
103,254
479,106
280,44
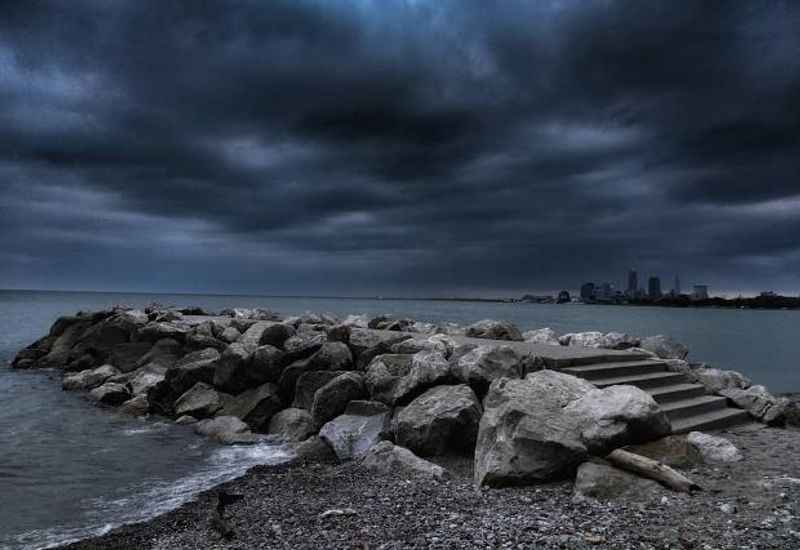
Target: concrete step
694,406
616,369
714,420
677,392
643,381
616,357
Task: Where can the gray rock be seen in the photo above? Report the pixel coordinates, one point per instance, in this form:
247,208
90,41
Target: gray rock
256,406
356,321
494,330
351,435
308,384
440,343
200,401
185,420
305,343
198,366
143,380
276,334
228,430
126,356
289,377
664,347
59,351
230,335
111,393
292,424
312,450
442,420
137,406
267,364
384,373
338,333
541,336
713,449
428,369
762,405
619,340
331,399
484,364
590,339
165,353
88,379
233,372
367,344
601,481
387,458
154,331
332,356
716,380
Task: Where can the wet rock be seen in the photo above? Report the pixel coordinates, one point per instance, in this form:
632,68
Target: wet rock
541,336
601,481
312,450
494,330
442,420
234,371
256,406
713,449
136,406
185,420
387,458
59,353
664,347
292,424
200,401
228,430
352,434
762,405
305,343
111,393
331,399
289,377
88,379
142,381
308,384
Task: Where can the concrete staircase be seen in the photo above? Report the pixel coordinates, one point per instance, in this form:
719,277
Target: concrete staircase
686,404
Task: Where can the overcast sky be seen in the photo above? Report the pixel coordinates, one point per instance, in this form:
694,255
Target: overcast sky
415,148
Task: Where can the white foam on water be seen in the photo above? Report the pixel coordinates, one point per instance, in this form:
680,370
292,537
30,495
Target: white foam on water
151,499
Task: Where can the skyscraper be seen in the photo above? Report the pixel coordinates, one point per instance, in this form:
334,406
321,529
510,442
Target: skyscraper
654,287
633,282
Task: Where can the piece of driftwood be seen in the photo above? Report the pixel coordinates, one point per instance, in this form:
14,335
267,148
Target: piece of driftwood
647,467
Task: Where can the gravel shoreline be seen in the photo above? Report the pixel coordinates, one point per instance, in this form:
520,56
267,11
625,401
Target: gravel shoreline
752,504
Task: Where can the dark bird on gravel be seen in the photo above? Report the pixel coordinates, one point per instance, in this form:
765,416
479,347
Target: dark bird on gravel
217,519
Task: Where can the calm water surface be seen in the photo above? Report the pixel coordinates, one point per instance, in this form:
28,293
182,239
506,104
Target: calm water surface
69,469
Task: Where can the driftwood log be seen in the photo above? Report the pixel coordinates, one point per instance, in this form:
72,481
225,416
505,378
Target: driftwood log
647,467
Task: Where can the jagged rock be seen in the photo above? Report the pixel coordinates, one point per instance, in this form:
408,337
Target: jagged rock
601,481
256,406
230,335
352,434
307,385
338,333
276,334
713,449
202,337
331,399
267,364
482,365
494,330
442,420
126,356
292,424
198,366
439,342
155,330
387,458
88,379
762,405
28,357
332,356
228,430
289,377
716,380
664,347
305,343
83,362
383,374
367,344
59,353
242,324
589,339
234,371
137,406
453,329
356,321
164,353
111,393
99,339
142,381
428,368
619,340
313,449
541,336
201,401
379,322
541,427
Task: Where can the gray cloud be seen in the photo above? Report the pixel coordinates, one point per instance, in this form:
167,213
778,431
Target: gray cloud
401,147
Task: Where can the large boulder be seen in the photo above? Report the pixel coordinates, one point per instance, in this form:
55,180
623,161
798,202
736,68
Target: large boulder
142,381
494,330
304,343
541,336
308,384
267,364
362,425
198,366
292,424
256,406
203,336
438,342
111,393
331,399
126,356
762,405
157,330
428,369
136,406
541,427
234,371
442,420
367,344
383,374
589,339
717,380
88,379
619,340
665,347
332,356
484,364
387,458
600,481
59,351
200,401
712,449
289,377
164,353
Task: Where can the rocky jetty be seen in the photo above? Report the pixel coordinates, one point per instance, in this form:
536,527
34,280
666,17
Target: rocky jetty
392,394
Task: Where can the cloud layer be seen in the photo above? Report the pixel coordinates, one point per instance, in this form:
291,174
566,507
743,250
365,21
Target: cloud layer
397,146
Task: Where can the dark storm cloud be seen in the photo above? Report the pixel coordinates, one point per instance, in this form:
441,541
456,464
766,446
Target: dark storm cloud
410,147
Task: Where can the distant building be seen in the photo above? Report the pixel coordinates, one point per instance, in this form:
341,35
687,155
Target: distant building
633,283
606,293
587,292
654,287
563,297
700,292
676,290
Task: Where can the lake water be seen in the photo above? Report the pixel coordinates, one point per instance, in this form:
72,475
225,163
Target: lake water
69,469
